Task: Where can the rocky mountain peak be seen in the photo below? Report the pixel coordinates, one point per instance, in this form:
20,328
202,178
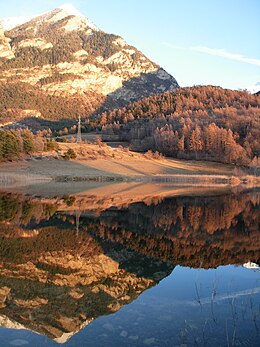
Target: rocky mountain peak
63,53
71,10
74,18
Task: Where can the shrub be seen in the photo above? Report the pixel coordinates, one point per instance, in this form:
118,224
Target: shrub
52,145
70,154
153,155
69,200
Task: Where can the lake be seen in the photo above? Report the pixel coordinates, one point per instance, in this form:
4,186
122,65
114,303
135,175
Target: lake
168,271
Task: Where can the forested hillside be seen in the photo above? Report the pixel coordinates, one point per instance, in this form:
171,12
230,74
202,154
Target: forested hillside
203,122
19,101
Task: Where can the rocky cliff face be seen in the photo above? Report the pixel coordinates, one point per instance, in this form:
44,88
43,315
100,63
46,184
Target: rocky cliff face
64,54
5,48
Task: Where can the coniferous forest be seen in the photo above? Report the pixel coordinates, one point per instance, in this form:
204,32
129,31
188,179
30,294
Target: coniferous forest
15,143
199,123
202,122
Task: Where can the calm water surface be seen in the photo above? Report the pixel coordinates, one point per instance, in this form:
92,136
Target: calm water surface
172,272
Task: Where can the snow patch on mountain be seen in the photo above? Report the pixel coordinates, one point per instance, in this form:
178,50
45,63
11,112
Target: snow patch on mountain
254,89
10,23
76,23
64,11
71,10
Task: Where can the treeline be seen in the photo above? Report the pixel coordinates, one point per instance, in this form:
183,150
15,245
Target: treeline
203,122
14,143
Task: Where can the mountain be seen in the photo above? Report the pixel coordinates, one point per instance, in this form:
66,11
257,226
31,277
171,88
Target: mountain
60,63
5,48
254,89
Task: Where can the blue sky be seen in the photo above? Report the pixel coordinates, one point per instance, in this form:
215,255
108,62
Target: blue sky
197,41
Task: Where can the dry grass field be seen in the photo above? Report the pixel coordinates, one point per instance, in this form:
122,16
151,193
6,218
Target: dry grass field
99,169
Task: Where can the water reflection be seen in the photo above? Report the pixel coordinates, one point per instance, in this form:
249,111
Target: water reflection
62,267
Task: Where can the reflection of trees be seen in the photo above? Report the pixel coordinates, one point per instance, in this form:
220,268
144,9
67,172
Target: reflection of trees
187,230
22,212
204,230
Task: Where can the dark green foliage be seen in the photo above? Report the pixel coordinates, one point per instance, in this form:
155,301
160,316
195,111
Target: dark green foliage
33,56
28,141
70,154
29,57
61,139
14,143
9,207
64,45
112,66
12,208
9,145
52,145
69,200
89,60
99,43
56,77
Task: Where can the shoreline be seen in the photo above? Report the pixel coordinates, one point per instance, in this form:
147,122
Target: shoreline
96,197
120,190
49,175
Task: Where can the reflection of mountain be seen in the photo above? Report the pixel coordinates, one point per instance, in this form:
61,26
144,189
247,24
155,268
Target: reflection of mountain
57,281
60,271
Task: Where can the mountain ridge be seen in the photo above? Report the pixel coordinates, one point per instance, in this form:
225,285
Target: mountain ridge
10,23
66,55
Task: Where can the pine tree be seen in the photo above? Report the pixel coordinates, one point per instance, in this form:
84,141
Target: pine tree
28,141
11,146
